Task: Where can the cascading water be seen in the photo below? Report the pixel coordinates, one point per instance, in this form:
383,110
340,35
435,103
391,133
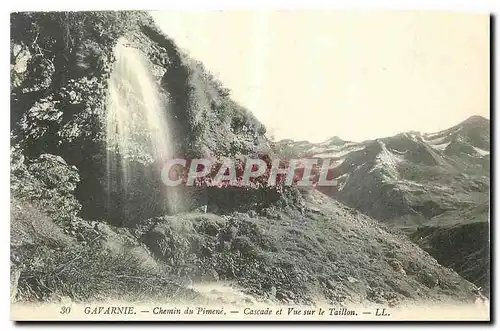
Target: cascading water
138,136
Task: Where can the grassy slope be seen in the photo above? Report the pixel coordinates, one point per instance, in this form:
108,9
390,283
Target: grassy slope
331,252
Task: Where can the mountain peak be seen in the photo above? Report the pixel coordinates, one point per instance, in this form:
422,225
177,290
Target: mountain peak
335,140
476,119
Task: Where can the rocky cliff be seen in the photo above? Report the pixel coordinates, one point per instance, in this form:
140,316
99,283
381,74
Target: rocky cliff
60,67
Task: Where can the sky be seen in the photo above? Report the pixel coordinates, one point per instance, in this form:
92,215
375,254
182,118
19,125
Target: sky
356,74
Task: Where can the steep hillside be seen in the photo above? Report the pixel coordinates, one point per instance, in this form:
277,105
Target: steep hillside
435,187
325,252
462,247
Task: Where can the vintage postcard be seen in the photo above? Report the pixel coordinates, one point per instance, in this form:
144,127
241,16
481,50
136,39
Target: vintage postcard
312,165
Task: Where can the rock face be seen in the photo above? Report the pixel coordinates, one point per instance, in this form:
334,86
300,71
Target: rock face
286,246
420,183
60,66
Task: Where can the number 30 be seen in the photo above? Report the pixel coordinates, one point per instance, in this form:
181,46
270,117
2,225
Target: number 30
65,310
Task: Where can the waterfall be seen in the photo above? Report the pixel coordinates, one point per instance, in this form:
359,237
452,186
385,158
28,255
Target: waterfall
137,135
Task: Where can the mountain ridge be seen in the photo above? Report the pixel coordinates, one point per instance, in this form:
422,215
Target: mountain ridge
460,152
434,185
471,121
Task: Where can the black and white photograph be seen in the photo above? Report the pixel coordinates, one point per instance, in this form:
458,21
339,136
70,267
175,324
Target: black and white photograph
250,165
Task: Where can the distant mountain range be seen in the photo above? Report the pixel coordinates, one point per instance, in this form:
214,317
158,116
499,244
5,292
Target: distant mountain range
414,181
410,178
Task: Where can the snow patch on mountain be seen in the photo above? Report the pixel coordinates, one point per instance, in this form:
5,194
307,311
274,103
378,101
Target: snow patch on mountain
387,163
441,147
482,152
438,137
336,152
341,181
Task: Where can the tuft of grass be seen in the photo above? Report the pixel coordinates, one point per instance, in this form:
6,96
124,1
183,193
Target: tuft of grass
86,273
49,265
